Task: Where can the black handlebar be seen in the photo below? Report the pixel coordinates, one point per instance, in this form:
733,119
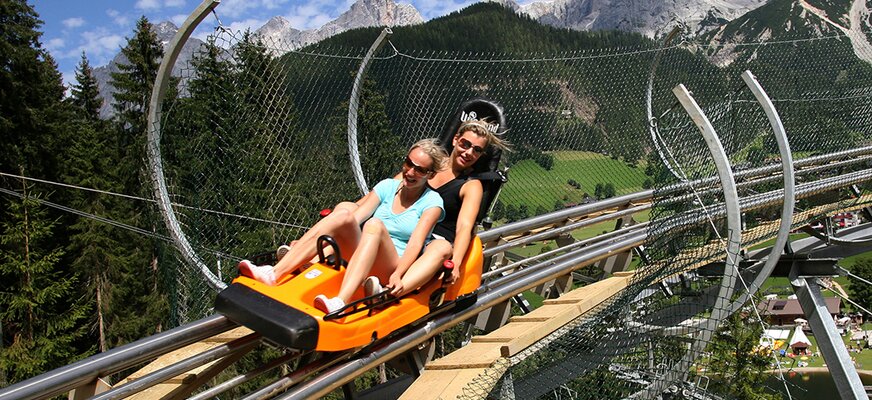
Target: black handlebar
337,258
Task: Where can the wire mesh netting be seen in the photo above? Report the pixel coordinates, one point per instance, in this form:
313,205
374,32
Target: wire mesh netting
274,120
647,342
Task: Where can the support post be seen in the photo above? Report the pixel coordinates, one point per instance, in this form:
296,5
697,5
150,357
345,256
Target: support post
621,261
839,362
559,286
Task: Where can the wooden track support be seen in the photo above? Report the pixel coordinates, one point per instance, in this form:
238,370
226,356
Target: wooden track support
446,377
182,385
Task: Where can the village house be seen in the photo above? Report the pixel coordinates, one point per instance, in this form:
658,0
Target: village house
785,312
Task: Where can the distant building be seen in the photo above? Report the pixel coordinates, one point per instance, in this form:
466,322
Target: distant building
845,220
783,312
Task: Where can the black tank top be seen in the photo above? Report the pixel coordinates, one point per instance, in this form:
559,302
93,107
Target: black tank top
450,193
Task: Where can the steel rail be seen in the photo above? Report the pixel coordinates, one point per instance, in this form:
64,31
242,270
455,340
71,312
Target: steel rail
732,211
573,245
298,376
237,380
155,161
787,205
83,372
563,229
353,104
492,235
243,344
539,221
523,273
847,155
543,272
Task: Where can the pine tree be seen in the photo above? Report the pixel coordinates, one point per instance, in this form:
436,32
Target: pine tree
138,307
133,83
94,245
85,93
37,331
860,291
30,86
266,123
41,315
736,360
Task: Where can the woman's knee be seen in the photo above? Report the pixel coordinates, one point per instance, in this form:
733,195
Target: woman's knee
440,248
347,206
374,226
343,217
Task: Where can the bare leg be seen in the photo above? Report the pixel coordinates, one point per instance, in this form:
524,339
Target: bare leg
345,206
340,224
427,266
375,253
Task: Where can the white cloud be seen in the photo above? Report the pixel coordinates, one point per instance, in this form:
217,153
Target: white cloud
151,5
69,78
273,4
73,22
179,19
437,8
202,33
241,26
236,8
311,15
118,18
100,46
148,4
55,45
241,8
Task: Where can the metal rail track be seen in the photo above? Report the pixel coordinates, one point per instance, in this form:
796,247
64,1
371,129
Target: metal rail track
332,372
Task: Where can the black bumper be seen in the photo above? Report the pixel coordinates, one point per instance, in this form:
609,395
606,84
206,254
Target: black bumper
271,318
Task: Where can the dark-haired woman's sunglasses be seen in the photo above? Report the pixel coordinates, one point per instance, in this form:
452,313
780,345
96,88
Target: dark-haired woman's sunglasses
466,145
408,163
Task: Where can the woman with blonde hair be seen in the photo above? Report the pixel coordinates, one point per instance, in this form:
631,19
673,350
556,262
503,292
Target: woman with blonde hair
462,196
400,214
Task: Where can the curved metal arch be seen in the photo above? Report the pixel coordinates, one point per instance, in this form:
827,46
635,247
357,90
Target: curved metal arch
155,162
734,240
783,234
353,103
649,91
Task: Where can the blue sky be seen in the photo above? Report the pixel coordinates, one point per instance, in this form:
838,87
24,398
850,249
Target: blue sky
101,27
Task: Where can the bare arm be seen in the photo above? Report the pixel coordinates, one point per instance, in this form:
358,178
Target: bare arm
366,206
470,195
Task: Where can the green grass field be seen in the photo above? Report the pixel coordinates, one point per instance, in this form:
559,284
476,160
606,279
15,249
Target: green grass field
532,185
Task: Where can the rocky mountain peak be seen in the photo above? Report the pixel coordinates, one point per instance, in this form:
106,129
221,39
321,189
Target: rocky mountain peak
165,31
647,17
363,13
506,3
277,31
366,13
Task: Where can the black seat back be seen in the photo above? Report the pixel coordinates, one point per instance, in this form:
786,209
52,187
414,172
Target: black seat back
486,169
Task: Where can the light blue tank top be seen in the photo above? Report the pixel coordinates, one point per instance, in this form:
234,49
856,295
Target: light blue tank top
400,226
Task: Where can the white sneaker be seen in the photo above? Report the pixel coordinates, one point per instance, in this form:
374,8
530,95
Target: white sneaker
281,251
261,273
328,305
371,286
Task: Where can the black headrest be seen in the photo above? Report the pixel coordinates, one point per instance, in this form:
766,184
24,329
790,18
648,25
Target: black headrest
479,109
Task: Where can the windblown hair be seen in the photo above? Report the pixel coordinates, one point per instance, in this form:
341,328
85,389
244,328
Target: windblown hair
436,153
480,129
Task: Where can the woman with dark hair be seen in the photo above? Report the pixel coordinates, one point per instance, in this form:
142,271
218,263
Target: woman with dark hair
400,214
461,195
